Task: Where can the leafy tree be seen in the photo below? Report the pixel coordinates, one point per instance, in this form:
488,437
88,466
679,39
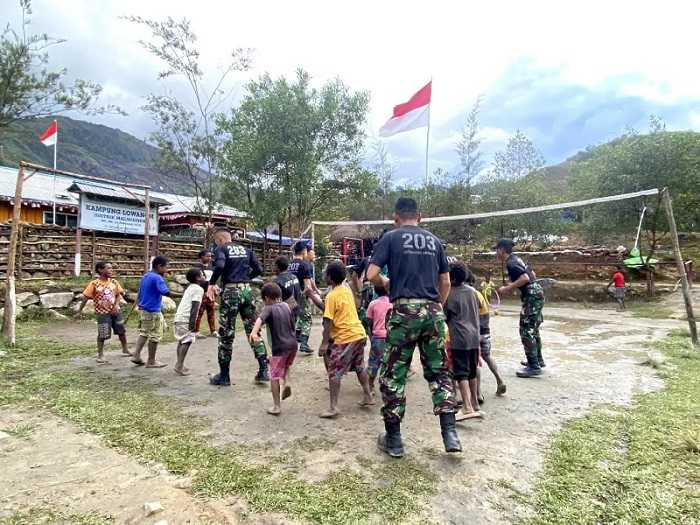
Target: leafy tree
29,87
187,139
385,168
294,147
518,159
468,145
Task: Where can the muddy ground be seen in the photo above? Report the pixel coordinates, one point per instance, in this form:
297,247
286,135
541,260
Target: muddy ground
593,357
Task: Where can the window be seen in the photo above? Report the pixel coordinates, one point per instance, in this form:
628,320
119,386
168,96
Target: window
62,219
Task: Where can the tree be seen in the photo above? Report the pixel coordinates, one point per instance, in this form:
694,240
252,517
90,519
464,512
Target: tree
468,145
518,159
300,144
187,139
29,87
385,168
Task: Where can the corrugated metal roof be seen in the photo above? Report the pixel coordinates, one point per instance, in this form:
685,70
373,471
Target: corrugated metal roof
114,192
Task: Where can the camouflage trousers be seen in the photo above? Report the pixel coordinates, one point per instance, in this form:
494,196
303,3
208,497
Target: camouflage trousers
530,320
303,326
407,326
236,301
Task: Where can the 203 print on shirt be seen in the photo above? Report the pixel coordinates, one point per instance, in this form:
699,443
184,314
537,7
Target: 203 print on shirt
417,242
236,251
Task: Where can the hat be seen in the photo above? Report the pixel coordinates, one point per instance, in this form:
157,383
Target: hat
506,244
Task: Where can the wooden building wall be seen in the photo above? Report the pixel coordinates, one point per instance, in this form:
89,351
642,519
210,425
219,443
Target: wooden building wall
28,215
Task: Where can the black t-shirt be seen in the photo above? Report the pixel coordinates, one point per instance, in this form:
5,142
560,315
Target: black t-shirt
278,318
289,284
234,264
301,269
517,267
414,258
462,315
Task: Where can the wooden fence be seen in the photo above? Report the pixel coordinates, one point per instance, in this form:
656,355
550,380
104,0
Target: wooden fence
49,251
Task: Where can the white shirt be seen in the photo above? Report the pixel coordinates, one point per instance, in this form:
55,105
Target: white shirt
194,292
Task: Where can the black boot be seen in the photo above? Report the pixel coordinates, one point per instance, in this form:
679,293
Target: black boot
541,363
262,376
222,378
390,441
449,433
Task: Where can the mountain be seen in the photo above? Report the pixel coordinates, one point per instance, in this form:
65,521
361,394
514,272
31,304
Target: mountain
90,149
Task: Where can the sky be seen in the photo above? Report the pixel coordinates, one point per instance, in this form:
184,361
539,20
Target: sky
568,74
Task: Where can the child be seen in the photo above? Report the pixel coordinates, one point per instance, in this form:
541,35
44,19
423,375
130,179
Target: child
151,321
289,284
105,293
462,315
280,323
485,345
487,287
376,313
207,305
340,323
186,317
618,279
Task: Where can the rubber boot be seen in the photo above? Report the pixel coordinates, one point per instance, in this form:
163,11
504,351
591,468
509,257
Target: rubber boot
304,344
390,441
541,363
262,376
222,378
449,433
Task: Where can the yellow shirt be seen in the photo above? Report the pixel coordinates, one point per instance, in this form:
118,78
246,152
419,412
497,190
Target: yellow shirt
483,304
487,289
341,309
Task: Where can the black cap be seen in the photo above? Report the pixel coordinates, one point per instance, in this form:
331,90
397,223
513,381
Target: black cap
506,244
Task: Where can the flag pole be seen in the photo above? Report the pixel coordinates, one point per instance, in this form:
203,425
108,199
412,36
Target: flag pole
427,142
55,145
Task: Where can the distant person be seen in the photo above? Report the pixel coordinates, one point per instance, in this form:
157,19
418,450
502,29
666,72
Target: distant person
620,290
280,323
377,314
487,287
208,305
303,271
532,297
105,292
289,284
311,259
186,317
235,266
341,324
151,322
462,314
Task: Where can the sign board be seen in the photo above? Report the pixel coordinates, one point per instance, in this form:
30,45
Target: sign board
118,217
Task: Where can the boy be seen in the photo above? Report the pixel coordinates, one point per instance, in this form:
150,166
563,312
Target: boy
340,323
289,284
377,313
186,317
280,323
618,279
105,293
487,287
485,344
462,314
208,305
150,300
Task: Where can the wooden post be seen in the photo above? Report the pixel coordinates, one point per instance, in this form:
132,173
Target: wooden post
20,251
147,231
8,327
94,248
78,238
681,268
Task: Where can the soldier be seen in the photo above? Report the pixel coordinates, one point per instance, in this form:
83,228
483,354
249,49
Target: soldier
303,271
419,284
532,297
236,266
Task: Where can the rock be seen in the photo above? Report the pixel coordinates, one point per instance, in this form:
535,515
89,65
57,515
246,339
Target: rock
27,298
43,291
168,305
50,284
33,307
181,279
53,314
89,307
152,507
176,287
56,300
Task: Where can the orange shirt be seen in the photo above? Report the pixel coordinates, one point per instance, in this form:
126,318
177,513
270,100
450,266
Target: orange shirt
104,294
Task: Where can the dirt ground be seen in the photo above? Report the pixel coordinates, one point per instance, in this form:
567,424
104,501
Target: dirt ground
593,357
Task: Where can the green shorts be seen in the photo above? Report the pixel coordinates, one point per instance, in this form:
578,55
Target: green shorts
151,326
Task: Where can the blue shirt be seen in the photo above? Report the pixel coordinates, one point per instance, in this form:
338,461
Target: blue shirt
151,292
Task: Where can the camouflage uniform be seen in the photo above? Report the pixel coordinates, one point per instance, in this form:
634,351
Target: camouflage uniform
530,320
303,326
235,301
421,323
365,298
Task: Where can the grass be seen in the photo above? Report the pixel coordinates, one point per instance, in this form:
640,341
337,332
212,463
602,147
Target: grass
45,515
21,431
35,374
649,310
630,465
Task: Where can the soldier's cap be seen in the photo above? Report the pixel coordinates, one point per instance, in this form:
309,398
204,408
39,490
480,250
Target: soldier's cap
506,244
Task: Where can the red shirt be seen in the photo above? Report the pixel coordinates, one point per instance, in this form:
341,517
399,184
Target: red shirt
619,280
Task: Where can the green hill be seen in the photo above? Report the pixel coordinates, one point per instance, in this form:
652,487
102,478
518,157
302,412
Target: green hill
90,149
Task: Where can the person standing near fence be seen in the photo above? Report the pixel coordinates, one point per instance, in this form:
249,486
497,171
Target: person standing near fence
236,266
208,306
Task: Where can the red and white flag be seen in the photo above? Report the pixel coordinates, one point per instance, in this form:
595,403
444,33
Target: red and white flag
50,136
410,115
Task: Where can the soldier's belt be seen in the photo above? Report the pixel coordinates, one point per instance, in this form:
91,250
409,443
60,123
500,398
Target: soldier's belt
237,285
404,300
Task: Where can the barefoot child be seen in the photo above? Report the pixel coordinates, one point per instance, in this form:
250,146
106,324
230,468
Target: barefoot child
376,314
185,318
280,323
150,300
208,305
462,314
618,279
105,293
340,323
